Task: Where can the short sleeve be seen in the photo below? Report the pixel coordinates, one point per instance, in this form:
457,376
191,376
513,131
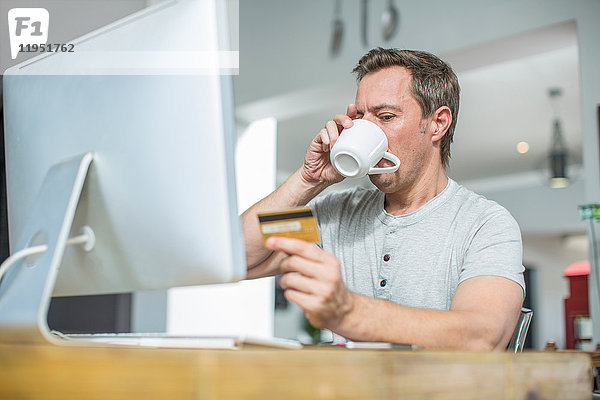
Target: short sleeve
332,208
328,213
495,249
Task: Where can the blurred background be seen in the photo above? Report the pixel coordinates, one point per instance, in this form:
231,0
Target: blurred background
519,67
529,113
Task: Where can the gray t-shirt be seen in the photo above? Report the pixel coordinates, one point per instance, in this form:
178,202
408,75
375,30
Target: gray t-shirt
419,259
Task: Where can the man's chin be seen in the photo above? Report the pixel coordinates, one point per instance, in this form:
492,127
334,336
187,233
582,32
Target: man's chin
383,182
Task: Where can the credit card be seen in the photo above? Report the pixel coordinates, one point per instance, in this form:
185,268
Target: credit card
299,223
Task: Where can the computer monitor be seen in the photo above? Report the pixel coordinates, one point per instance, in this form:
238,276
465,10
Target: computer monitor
132,134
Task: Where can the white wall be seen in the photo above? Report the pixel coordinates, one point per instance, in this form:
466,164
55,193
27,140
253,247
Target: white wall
537,208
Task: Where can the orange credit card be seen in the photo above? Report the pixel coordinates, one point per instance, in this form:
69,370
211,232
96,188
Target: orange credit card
299,223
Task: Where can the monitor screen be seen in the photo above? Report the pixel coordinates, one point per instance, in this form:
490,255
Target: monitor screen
151,99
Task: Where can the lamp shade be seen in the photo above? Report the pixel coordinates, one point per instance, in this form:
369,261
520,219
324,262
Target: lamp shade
558,169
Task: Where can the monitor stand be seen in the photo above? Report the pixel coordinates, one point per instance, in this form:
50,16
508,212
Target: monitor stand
27,287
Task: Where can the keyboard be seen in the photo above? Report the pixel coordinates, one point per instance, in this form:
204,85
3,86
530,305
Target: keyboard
163,340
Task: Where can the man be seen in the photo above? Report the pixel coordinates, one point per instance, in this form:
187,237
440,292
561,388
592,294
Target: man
420,260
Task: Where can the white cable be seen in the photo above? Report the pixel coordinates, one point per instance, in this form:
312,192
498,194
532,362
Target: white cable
30,251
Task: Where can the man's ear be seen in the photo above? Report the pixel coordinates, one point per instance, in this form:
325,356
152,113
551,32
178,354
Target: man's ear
440,121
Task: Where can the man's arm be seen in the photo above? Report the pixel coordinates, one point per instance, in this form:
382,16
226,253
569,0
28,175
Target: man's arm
316,174
295,191
482,316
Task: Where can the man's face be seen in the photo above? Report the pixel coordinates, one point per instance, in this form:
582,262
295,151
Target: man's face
384,97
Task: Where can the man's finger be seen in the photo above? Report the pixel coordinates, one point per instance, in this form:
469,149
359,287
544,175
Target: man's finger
302,265
324,140
324,136
303,300
300,283
333,131
296,247
343,121
352,111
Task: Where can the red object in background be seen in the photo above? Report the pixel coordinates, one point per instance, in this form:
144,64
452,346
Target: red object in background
576,305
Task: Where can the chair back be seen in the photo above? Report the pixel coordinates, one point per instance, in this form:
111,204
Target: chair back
518,338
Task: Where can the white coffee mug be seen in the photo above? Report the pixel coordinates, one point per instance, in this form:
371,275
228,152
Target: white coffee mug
359,149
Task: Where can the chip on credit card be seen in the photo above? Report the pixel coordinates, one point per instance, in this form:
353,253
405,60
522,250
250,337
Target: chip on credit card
299,223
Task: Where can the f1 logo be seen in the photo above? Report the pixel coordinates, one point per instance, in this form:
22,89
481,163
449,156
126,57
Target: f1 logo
27,26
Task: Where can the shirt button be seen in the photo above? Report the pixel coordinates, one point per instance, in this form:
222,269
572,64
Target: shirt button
383,282
386,257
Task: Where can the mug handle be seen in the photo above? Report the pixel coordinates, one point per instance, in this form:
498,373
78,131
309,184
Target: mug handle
385,170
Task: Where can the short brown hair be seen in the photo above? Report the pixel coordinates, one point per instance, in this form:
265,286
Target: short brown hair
434,83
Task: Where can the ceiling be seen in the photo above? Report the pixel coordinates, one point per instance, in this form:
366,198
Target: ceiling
505,103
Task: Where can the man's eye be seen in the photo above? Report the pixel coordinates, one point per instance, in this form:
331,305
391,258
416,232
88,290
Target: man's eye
386,117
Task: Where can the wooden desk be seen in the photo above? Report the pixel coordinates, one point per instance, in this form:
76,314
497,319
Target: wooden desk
51,372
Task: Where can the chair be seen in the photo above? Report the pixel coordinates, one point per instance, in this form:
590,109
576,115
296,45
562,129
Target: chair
518,338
